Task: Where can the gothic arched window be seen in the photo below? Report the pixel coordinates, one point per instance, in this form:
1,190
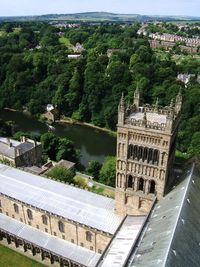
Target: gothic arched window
152,187
16,208
155,157
88,236
135,152
130,181
29,214
140,152
145,153
150,155
44,219
61,227
130,151
141,184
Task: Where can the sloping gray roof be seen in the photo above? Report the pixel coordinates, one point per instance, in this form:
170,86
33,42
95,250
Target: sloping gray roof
8,147
51,243
67,201
122,243
172,236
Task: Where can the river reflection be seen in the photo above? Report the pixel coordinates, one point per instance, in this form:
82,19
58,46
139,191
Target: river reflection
93,144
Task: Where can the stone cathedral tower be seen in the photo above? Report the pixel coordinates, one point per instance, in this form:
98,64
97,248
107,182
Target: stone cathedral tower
146,137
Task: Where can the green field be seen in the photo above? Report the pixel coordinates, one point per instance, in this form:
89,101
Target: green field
10,258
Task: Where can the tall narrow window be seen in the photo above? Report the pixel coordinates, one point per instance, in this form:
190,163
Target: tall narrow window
130,181
152,187
16,208
30,214
130,151
88,236
44,219
0,203
61,227
141,184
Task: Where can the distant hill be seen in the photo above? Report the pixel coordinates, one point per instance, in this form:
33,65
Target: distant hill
98,16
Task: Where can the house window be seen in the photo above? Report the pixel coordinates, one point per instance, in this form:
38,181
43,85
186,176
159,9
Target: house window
61,227
91,248
44,219
88,236
72,240
54,233
82,245
46,230
37,226
30,214
16,208
7,213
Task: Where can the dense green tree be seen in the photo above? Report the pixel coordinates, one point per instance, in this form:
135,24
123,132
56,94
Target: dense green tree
66,150
62,174
194,148
5,128
93,168
50,144
108,171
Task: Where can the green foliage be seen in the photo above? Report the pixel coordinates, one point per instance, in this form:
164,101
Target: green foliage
35,71
80,181
62,174
194,148
50,144
108,172
6,128
93,168
58,148
66,150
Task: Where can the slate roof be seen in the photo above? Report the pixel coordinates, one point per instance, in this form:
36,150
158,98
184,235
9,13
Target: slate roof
64,200
172,235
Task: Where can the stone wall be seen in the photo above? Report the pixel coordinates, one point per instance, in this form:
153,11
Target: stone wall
74,232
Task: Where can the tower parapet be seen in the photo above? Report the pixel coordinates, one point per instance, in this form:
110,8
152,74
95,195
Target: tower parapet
157,117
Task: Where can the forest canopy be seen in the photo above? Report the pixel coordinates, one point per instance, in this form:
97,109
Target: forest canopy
35,70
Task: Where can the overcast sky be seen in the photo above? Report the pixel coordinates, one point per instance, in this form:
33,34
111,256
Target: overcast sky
143,7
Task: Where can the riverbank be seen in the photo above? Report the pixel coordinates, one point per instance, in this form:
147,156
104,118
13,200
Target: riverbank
69,120
72,121
92,142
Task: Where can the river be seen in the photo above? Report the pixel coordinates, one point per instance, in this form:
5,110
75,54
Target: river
93,144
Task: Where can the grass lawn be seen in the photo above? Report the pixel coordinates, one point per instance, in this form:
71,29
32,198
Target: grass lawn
10,258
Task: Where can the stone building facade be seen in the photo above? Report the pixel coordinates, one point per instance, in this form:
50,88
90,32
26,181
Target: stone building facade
63,228
27,152
146,137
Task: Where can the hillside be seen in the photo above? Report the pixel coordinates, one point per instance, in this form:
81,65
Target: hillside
98,16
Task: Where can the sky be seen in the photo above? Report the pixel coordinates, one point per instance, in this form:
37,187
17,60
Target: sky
143,7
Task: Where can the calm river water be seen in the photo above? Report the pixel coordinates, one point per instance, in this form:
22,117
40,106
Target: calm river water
93,144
